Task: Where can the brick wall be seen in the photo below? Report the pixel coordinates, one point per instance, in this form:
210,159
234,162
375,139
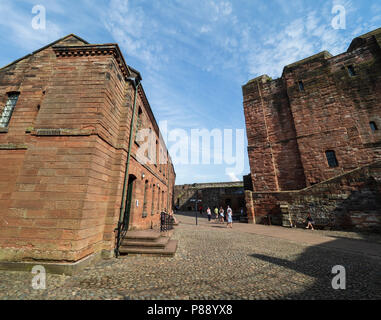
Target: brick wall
64,153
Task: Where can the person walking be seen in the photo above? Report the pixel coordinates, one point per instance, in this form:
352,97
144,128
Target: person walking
310,222
216,213
209,212
222,215
229,212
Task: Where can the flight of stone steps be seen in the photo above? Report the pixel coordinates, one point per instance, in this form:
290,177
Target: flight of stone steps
148,242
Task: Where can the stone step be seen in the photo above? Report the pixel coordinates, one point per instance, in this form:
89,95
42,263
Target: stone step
146,236
168,250
159,242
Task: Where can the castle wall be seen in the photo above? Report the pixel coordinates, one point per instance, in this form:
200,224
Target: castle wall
210,195
320,104
349,201
289,129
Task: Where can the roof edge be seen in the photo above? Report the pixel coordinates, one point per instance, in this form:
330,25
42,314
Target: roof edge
43,48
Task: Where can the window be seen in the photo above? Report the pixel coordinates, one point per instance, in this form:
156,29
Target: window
145,199
373,126
150,144
138,123
351,71
157,154
153,201
8,109
332,160
158,201
301,86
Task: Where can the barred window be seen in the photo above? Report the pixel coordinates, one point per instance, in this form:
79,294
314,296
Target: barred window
332,160
8,109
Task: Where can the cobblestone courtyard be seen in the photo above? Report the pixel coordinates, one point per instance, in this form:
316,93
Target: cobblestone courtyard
213,262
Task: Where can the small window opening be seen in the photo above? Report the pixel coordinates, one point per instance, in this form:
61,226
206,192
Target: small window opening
373,126
351,71
332,160
139,124
301,86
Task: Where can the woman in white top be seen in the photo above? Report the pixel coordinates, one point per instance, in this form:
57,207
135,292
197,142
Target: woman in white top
209,212
229,211
222,215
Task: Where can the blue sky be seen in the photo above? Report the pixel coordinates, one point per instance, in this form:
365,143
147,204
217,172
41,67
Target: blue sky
194,55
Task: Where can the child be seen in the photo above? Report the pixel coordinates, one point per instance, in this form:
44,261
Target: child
310,222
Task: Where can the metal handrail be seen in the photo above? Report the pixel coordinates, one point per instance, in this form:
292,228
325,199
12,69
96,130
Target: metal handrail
166,222
121,233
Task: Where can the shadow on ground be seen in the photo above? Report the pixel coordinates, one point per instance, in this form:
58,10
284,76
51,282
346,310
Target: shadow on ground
363,280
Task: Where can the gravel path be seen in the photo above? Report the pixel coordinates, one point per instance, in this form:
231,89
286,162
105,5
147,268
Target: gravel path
213,263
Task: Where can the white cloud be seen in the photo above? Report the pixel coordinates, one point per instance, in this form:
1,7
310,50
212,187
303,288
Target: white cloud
134,31
205,29
233,177
299,39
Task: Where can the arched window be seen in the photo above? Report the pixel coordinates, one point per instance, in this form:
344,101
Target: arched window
163,201
158,201
153,200
8,109
145,199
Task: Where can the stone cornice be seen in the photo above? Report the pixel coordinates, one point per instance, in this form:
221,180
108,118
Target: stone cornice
95,50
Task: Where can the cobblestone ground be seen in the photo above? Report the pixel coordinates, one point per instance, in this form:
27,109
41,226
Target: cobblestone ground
213,263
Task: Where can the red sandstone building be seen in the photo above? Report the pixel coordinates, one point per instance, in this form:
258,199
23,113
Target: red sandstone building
314,139
67,131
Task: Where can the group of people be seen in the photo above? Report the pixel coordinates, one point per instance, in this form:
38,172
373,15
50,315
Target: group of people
220,215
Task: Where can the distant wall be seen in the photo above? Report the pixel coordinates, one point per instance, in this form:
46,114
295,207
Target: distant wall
352,200
210,195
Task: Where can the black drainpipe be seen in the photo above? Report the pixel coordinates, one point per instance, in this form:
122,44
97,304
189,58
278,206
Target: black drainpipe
121,229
